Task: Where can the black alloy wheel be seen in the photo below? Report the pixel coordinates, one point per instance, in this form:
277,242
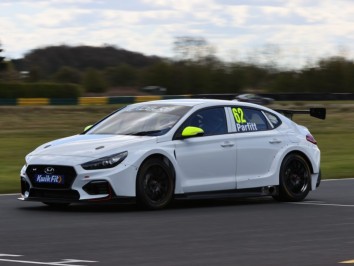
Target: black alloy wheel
155,184
294,179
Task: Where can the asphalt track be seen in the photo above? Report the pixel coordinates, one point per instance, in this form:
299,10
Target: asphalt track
254,231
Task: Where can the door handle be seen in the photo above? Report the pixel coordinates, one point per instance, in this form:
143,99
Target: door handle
227,144
275,141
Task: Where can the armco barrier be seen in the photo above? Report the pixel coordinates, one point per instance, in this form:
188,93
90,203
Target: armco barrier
33,101
8,101
87,101
55,101
93,100
147,98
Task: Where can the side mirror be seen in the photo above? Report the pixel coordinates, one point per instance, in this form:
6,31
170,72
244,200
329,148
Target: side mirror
87,128
189,132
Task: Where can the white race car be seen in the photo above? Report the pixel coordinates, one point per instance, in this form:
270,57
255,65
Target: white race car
156,151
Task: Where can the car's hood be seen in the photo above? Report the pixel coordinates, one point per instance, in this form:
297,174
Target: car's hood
91,146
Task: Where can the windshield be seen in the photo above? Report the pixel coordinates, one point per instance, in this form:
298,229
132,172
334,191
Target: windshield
141,120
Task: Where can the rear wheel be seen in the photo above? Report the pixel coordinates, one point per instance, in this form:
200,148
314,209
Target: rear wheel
294,179
155,184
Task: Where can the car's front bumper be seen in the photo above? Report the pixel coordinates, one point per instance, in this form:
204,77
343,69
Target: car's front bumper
80,185
68,195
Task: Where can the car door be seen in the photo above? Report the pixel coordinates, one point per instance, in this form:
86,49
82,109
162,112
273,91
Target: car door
207,163
257,144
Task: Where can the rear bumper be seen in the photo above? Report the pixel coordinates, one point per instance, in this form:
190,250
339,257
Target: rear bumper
315,180
319,180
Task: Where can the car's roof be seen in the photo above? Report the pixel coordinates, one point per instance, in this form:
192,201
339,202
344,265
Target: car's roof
190,102
205,102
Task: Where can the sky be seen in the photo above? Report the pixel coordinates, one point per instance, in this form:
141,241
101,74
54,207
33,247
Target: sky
293,33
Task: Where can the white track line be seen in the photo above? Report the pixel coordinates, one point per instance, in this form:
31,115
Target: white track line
320,204
340,179
13,194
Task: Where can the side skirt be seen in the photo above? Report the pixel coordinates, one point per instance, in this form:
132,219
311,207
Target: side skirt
234,193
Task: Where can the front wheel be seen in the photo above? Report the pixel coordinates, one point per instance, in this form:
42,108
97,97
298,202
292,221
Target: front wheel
155,184
294,179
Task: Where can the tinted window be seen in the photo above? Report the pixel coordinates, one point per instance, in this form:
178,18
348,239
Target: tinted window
273,119
212,121
249,120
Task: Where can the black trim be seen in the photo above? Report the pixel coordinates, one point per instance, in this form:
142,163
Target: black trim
53,195
319,113
72,196
98,187
319,179
233,193
68,172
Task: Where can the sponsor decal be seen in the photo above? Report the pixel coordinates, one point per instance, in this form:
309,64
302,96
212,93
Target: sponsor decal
49,179
239,115
241,123
247,127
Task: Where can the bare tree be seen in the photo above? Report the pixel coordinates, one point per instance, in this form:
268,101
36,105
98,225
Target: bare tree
192,48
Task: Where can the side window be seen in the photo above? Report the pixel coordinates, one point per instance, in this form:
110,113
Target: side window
273,119
249,120
211,120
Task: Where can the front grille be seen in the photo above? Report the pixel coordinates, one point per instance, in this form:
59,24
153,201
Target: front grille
63,195
51,176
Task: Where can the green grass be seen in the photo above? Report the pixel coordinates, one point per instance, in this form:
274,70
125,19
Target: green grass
335,137
24,128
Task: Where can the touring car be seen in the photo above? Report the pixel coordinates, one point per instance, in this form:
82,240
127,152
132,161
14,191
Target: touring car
158,151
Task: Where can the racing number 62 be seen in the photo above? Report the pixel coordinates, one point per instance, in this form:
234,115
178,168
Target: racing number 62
239,116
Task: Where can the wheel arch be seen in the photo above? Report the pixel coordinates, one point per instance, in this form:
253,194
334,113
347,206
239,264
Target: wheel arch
303,155
143,198
161,157
299,189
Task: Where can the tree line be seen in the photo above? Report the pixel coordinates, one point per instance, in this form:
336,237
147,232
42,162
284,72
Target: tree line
99,68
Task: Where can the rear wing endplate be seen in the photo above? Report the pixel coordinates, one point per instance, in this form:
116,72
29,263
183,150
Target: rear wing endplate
315,112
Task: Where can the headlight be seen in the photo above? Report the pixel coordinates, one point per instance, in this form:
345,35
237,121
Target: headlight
23,170
105,162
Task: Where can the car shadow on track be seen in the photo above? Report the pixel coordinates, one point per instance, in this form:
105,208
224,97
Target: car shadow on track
132,207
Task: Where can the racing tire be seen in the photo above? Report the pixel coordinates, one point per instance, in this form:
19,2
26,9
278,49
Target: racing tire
155,184
294,179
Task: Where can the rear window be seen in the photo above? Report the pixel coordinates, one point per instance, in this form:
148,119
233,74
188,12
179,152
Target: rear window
273,119
249,120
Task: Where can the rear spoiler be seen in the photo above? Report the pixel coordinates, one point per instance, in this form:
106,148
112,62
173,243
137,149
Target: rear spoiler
315,112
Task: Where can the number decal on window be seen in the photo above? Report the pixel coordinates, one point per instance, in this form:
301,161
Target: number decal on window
239,115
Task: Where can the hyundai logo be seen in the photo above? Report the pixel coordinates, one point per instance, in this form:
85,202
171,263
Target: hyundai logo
49,170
